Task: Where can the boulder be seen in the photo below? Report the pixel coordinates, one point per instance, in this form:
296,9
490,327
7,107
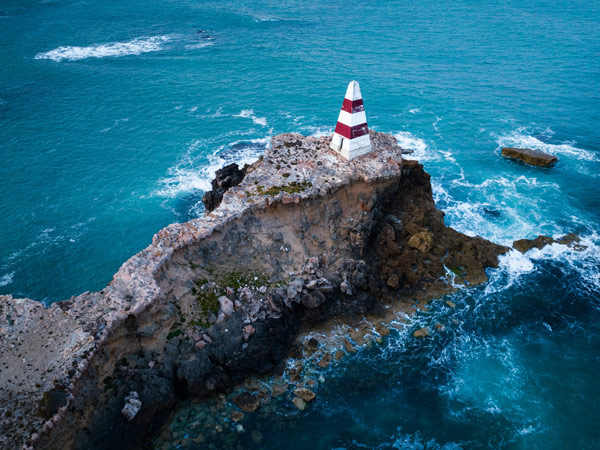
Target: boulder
226,305
305,394
529,156
325,361
422,241
247,402
422,333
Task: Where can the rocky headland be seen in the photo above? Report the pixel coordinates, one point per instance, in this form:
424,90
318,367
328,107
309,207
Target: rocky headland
298,238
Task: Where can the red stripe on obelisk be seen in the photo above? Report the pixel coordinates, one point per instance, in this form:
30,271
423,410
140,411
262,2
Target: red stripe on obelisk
351,132
353,106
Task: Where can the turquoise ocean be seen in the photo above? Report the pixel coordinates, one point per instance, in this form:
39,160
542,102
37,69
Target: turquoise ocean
114,116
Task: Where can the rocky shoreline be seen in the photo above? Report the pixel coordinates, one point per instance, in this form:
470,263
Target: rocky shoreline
302,238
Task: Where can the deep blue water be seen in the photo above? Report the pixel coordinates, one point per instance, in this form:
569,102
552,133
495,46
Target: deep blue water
115,114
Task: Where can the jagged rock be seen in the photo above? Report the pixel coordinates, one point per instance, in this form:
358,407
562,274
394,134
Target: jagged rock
225,178
132,406
422,241
247,402
305,394
571,240
422,333
338,355
529,156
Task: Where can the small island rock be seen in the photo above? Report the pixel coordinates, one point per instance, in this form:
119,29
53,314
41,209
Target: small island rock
529,156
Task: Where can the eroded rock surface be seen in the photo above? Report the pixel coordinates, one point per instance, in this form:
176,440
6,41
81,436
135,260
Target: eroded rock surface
304,237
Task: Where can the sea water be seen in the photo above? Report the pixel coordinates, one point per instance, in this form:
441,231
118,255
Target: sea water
114,116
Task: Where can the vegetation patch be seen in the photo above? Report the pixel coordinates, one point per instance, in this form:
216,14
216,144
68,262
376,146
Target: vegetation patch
293,188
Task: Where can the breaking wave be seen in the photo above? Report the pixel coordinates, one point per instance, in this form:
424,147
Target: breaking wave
408,141
195,173
521,138
136,46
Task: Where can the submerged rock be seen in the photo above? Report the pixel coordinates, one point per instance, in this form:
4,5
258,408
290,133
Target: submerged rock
236,416
529,156
247,402
305,394
422,333
299,403
325,361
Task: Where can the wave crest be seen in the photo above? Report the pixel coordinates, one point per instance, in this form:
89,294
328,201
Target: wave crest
136,46
520,138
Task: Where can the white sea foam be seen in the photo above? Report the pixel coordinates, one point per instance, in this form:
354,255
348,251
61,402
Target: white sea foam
195,173
414,110
249,114
521,138
419,147
6,279
136,46
515,263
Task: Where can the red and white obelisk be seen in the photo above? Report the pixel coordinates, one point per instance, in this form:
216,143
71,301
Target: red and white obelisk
351,135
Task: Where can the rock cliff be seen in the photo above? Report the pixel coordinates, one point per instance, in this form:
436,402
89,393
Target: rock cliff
304,237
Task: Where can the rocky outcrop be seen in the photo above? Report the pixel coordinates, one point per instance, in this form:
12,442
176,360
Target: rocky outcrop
571,240
304,237
225,178
529,156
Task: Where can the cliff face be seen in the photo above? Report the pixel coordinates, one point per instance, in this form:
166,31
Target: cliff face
303,238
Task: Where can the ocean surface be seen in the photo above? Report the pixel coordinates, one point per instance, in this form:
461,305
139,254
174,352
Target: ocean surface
114,116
